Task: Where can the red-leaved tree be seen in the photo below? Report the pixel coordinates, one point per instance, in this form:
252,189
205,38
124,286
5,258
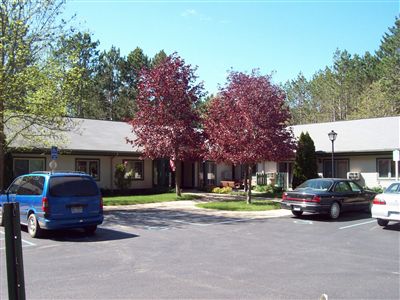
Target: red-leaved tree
246,123
166,122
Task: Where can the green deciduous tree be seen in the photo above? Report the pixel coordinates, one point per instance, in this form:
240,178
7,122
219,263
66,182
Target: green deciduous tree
29,81
305,165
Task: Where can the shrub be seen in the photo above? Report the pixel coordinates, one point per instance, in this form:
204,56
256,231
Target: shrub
122,178
223,190
376,189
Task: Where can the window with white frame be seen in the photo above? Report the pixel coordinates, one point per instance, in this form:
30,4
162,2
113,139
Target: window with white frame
386,168
28,165
89,166
135,168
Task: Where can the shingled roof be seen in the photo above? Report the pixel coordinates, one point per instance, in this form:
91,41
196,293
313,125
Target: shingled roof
367,135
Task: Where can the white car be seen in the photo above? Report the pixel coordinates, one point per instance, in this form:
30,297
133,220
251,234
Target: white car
386,206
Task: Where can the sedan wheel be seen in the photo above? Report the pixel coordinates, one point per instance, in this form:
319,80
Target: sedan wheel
33,226
334,211
297,213
382,222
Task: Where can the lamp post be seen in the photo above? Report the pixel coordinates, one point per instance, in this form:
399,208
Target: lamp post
332,136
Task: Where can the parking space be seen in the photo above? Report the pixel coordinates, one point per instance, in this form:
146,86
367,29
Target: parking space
25,242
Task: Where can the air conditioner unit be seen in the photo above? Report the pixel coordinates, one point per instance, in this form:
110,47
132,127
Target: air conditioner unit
353,175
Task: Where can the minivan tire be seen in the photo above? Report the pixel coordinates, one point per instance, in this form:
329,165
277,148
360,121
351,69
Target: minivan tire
34,229
1,216
90,230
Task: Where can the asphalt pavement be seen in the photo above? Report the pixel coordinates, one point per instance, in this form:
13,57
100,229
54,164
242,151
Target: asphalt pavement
178,251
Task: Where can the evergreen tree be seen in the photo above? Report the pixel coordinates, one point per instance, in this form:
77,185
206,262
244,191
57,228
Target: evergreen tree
78,55
159,58
305,165
109,83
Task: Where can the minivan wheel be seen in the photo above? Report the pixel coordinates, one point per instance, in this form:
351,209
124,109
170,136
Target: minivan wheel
334,211
382,222
33,226
90,230
1,216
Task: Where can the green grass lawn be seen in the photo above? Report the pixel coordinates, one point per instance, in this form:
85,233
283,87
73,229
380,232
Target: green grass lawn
235,205
142,199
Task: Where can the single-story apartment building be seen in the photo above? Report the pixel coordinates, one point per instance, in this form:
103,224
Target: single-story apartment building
363,149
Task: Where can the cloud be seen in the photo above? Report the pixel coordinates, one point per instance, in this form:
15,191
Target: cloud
189,13
192,13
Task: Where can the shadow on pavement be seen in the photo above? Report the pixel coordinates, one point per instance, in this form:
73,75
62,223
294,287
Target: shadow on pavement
392,226
159,219
344,217
78,235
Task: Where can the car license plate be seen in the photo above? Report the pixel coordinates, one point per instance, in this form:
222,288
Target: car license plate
76,209
296,208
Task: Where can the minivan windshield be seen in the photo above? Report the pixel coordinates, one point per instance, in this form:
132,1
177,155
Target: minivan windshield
72,186
316,184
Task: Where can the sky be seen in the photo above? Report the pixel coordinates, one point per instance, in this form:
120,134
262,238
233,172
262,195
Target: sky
281,38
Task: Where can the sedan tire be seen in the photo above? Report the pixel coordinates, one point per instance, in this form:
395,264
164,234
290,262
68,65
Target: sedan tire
334,211
382,222
297,213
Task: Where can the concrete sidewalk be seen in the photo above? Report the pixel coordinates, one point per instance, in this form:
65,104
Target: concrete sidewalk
190,206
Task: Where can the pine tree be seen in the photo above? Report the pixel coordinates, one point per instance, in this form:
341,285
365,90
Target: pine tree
305,166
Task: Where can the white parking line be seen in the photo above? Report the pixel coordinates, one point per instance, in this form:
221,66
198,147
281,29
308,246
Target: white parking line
358,224
25,243
213,223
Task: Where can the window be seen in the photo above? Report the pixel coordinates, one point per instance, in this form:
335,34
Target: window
386,168
393,189
28,165
341,168
355,187
31,185
89,166
72,186
207,173
342,187
135,168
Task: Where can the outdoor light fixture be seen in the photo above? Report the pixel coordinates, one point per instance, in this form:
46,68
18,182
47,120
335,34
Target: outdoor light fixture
332,136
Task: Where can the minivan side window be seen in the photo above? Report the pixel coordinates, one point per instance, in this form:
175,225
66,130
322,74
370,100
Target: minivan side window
15,186
31,185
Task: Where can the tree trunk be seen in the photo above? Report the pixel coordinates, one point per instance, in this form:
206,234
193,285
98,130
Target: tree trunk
178,173
2,146
245,179
248,196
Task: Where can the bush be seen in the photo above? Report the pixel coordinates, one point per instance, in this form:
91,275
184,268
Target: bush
270,189
264,188
223,190
376,189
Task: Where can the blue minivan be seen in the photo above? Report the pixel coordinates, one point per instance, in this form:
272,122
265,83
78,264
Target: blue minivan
56,200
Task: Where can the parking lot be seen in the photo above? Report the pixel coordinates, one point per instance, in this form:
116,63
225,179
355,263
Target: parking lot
175,254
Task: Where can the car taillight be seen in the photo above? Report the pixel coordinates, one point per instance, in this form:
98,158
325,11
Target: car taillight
45,204
316,199
378,201
284,196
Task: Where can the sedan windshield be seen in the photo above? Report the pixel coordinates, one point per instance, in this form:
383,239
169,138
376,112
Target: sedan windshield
316,184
